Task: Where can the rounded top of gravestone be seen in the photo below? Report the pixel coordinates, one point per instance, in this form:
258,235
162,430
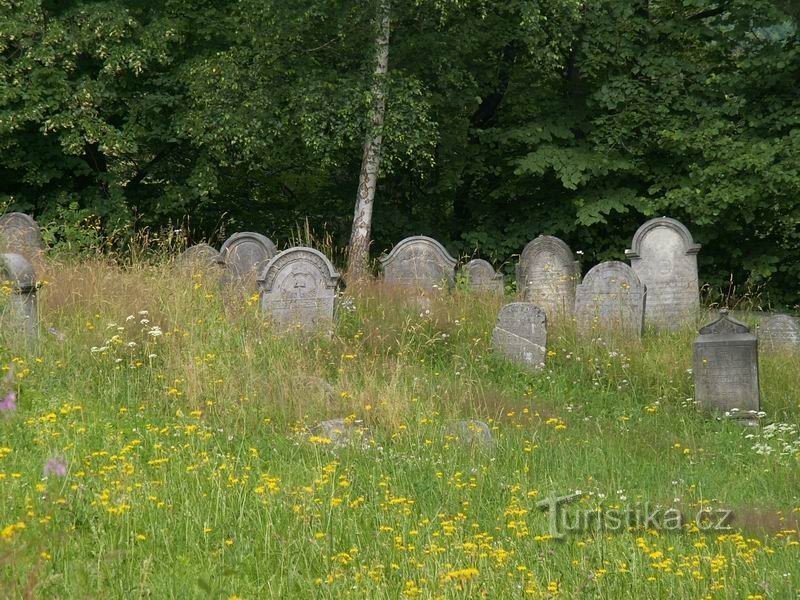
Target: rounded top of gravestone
20,232
612,269
725,325
551,244
689,245
201,254
291,257
483,269
415,240
247,251
19,271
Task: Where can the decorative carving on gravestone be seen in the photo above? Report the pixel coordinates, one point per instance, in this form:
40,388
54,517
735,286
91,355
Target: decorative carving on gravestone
199,256
246,253
725,368
610,298
19,278
420,262
779,332
521,334
20,234
481,277
664,256
298,289
547,275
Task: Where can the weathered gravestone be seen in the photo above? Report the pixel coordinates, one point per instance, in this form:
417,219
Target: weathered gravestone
420,262
521,334
611,298
246,253
664,256
481,277
298,289
725,368
20,234
547,275
19,279
779,332
199,256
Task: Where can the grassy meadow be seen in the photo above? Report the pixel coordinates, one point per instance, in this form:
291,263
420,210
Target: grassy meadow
158,447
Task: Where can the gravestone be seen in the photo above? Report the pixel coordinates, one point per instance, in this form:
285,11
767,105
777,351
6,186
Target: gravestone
547,275
471,433
420,262
521,334
19,234
725,368
664,256
298,289
199,256
481,277
779,332
21,313
246,253
612,299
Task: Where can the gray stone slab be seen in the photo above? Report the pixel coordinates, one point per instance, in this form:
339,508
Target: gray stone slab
779,333
20,234
420,262
22,313
547,275
199,256
610,299
481,277
246,253
521,334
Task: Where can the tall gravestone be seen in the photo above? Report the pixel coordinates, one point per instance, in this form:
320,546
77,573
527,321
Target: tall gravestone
20,234
21,315
521,334
481,277
547,275
246,253
725,368
611,298
298,290
779,332
664,256
420,262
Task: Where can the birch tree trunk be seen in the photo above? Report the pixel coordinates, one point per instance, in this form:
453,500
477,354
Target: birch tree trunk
358,250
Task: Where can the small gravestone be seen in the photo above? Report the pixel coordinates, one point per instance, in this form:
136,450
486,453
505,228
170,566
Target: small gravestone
521,334
664,256
246,253
199,256
419,262
725,368
612,299
779,332
481,277
547,275
19,279
298,289
20,234
471,433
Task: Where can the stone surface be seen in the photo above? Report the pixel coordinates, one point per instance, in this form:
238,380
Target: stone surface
298,289
246,253
471,433
779,333
481,277
342,433
664,256
420,262
521,334
19,234
610,299
200,256
725,368
547,275
22,312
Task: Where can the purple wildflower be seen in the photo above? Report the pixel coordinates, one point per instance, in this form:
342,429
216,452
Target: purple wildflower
9,402
57,466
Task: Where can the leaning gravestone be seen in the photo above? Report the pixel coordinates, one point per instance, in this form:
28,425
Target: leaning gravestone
779,332
298,289
547,275
664,256
246,253
725,368
481,277
21,313
199,256
420,262
521,334
20,234
611,298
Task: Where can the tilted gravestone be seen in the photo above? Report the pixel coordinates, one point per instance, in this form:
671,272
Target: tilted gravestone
547,275
779,332
725,368
481,277
521,334
664,256
298,289
612,299
19,234
246,253
19,281
420,262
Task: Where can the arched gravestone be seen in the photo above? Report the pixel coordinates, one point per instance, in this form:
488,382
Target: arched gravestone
421,262
664,256
298,289
547,275
779,332
22,313
521,334
20,234
481,277
611,298
246,253
199,256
